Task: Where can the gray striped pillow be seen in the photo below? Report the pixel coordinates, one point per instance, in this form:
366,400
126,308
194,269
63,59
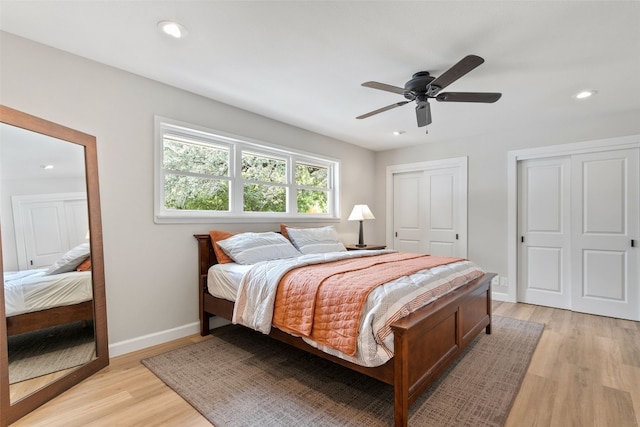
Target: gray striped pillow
250,248
316,240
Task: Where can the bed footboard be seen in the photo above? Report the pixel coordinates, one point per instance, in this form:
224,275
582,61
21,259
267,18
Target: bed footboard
29,322
428,340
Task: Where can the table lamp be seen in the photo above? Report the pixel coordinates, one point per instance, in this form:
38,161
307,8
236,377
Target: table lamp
360,213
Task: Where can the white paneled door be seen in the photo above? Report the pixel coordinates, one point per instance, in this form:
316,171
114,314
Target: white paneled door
578,221
408,212
47,226
544,211
429,210
443,213
605,219
45,233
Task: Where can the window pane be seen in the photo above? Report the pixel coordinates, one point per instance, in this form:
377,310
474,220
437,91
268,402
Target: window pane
312,201
311,175
258,167
191,193
182,155
264,198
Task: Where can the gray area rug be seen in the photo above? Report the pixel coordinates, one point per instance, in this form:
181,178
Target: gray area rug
42,352
244,378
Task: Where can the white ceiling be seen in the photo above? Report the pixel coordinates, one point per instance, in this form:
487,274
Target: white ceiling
23,155
302,62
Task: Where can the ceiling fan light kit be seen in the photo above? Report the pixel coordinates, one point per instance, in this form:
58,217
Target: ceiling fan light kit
423,86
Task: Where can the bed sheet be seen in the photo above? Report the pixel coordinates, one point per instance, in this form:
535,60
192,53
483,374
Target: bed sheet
223,280
32,290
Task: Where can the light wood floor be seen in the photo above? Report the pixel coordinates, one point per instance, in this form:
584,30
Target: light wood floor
584,372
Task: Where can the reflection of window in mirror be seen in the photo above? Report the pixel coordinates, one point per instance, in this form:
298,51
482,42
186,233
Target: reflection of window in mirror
46,258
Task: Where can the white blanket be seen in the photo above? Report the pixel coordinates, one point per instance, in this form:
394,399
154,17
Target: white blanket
256,296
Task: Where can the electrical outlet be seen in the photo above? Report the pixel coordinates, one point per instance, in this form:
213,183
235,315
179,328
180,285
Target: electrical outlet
504,282
495,281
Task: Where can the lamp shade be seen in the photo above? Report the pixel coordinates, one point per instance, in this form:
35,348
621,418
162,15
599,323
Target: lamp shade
360,213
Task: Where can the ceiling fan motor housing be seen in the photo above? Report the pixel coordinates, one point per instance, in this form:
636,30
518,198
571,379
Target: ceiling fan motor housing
418,84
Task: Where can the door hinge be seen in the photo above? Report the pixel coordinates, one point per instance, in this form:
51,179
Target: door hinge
633,243
396,234
522,239
456,236
31,261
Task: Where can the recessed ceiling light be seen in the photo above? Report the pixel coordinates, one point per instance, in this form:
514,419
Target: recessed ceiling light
46,167
398,132
173,29
585,94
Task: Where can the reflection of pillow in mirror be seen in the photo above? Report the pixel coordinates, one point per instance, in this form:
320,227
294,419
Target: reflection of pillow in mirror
85,265
250,248
70,261
316,240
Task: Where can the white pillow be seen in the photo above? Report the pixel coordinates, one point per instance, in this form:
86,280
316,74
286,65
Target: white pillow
250,248
70,261
316,240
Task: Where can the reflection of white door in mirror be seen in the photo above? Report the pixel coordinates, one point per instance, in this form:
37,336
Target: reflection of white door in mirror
47,226
51,233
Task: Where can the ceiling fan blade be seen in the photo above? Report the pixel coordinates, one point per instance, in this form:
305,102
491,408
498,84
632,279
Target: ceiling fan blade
385,87
463,66
380,110
487,97
423,113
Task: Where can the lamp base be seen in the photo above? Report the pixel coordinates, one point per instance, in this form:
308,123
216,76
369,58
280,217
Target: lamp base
358,245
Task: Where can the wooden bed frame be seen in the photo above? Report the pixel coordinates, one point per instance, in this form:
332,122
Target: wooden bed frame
425,342
28,322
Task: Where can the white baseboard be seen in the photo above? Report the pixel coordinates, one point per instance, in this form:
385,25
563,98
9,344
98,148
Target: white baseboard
139,343
499,296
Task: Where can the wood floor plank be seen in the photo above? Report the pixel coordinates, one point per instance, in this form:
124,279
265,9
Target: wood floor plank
551,342
616,408
523,413
585,372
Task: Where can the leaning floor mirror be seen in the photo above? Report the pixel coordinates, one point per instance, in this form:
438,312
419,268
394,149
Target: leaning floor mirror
53,331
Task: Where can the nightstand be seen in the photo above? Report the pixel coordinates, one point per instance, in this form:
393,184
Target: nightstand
366,247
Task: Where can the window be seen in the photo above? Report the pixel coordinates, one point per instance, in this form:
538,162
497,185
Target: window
312,183
204,175
264,183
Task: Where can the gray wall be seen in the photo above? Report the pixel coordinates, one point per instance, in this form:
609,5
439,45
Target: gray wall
151,269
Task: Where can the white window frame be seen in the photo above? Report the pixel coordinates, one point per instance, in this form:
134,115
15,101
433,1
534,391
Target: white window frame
237,144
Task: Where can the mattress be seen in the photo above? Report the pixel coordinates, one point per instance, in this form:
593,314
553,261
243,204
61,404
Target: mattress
31,290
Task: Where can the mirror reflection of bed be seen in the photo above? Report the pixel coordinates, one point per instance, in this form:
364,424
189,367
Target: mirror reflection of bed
46,258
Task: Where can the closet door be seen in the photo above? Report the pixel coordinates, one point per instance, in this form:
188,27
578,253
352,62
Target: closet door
445,236
606,221
430,209
47,226
408,212
544,219
45,233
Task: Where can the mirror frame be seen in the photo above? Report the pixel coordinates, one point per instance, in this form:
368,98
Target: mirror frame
12,412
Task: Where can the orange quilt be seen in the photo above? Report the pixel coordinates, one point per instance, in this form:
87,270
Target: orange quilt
324,302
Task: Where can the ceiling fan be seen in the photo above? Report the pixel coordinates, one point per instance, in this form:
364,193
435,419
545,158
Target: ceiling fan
423,86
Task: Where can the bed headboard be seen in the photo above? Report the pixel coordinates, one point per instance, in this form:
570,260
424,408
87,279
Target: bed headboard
206,256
